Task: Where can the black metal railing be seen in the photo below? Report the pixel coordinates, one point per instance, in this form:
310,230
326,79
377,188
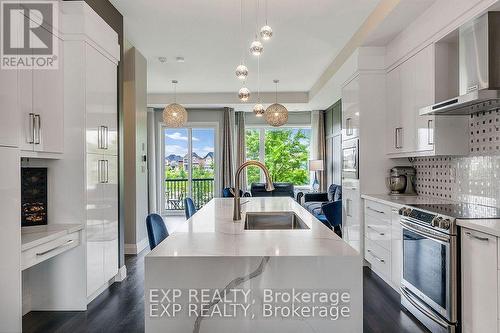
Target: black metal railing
176,190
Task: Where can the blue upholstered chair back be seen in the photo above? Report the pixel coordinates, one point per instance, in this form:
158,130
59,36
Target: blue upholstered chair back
189,207
226,193
157,231
333,212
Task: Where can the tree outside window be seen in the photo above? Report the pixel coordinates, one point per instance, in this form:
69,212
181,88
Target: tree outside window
286,153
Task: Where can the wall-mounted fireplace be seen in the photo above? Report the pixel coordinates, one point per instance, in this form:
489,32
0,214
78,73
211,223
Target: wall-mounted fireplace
33,196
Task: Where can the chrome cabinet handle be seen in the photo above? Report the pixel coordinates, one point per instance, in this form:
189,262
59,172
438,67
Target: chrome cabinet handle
348,207
376,257
105,137
430,132
482,239
378,232
397,135
55,248
102,137
32,128
102,171
348,126
37,126
374,210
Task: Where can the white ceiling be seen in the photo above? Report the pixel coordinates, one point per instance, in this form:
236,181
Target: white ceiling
307,37
405,12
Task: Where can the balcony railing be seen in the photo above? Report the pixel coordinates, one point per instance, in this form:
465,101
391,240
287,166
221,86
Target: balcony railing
176,190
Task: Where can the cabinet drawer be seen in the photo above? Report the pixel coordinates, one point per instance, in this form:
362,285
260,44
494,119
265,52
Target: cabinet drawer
379,233
379,258
377,210
48,250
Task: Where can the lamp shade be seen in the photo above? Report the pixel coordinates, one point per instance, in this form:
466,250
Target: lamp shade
315,165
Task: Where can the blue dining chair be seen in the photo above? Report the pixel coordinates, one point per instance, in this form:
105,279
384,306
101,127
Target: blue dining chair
189,208
157,231
228,193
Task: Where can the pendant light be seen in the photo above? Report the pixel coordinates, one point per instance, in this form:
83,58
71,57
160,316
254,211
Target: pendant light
258,108
266,32
256,48
276,114
244,94
241,70
175,115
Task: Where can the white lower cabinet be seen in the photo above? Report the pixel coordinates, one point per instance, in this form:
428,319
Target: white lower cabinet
383,241
351,217
479,255
396,249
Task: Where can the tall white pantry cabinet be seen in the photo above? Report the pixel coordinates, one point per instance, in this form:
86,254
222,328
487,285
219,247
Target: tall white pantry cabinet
92,53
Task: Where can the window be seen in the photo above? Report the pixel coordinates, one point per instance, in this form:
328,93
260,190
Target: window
285,152
184,176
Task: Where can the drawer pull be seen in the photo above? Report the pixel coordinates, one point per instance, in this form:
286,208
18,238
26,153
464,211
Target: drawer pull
376,211
376,257
378,232
483,239
55,248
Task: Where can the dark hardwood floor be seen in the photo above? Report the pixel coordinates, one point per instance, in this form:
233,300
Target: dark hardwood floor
121,308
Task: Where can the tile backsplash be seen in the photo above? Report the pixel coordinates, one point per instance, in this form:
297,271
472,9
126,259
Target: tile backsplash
473,178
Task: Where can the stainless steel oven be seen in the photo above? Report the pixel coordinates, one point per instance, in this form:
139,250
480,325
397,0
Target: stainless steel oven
350,159
430,273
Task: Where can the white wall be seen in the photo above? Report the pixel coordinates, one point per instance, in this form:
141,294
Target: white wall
135,147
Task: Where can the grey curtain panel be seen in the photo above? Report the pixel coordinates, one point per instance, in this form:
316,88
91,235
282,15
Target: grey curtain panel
227,149
321,150
241,146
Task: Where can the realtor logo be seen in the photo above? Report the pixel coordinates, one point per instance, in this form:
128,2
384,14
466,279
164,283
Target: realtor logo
27,37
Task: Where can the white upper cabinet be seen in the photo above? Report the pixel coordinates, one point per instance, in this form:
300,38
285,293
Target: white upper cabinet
350,109
101,92
9,109
411,86
41,108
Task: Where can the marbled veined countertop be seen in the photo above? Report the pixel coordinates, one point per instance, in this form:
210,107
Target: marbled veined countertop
212,232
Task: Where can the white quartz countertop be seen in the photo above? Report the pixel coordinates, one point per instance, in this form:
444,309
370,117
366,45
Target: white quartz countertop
212,232
401,200
489,226
36,235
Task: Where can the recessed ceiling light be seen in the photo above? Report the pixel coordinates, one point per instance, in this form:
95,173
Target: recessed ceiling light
162,59
179,59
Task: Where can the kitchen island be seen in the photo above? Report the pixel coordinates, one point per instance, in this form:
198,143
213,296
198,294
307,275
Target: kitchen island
279,269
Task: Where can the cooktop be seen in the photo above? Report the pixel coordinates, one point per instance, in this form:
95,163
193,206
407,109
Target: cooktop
461,211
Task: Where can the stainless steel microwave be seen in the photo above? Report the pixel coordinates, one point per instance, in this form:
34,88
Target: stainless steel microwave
350,159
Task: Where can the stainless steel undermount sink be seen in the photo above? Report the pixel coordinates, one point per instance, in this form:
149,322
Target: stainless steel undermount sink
273,221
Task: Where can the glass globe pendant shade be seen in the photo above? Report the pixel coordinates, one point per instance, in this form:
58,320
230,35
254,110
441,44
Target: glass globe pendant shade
175,115
266,32
276,115
256,48
244,94
241,72
259,110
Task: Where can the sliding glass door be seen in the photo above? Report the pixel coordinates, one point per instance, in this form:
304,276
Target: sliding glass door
189,166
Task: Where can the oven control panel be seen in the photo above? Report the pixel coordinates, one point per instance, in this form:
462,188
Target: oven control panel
433,220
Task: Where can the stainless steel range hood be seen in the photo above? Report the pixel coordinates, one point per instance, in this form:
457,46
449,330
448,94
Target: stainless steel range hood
479,60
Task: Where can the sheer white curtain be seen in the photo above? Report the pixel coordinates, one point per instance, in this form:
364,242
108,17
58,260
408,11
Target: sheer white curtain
318,149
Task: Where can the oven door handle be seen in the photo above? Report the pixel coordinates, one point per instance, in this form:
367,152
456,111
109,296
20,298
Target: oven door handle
422,307
437,238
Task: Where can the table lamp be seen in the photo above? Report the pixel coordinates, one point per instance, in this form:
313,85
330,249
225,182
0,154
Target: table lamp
315,165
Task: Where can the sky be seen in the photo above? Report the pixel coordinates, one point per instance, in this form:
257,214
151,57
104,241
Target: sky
176,141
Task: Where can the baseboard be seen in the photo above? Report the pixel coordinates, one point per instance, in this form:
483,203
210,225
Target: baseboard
122,274
136,248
